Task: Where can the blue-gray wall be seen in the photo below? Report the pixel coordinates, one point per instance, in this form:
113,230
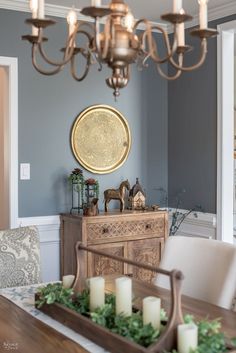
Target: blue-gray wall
192,132
48,107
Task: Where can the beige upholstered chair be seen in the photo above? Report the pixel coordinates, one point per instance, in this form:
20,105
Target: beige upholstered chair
209,267
19,257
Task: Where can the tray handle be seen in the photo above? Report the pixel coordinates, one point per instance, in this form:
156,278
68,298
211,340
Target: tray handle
168,338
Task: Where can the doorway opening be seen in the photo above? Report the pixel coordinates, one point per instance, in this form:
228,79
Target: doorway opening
225,134
4,149
8,143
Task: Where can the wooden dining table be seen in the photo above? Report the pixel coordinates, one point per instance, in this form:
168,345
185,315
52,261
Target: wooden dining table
24,333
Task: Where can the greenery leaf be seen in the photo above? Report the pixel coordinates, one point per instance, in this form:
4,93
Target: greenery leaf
210,339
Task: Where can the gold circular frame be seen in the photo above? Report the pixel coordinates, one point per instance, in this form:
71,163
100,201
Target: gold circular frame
101,139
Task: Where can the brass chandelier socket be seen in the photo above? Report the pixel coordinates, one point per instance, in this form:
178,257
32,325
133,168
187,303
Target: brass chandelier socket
184,49
204,33
40,23
176,18
33,39
95,11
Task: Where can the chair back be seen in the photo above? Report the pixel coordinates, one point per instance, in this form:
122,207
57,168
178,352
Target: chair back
209,267
19,257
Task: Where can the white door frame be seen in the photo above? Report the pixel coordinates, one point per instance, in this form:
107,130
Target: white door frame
12,66
225,127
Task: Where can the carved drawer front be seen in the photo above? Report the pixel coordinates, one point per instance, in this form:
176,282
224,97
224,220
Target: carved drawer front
145,251
126,228
101,265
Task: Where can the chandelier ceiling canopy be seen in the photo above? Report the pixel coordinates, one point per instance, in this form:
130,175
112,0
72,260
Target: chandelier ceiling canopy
116,42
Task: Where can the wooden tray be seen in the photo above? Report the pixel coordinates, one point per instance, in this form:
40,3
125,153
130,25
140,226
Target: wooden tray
107,339
87,328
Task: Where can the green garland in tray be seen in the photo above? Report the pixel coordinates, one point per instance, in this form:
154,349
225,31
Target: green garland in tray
211,339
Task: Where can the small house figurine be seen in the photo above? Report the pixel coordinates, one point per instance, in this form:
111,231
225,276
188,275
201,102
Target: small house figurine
137,197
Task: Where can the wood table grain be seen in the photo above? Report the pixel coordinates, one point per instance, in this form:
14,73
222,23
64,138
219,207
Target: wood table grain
20,332
23,333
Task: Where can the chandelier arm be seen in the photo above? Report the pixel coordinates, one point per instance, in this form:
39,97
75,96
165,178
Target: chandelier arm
198,64
152,43
178,72
169,78
88,35
176,75
102,53
107,30
68,51
73,71
41,71
97,35
86,24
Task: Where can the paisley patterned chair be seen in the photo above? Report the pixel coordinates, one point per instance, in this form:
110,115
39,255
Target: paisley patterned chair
19,257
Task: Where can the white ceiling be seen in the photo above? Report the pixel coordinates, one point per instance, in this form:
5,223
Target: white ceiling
150,9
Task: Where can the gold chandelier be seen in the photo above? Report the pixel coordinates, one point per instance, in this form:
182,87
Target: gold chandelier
116,42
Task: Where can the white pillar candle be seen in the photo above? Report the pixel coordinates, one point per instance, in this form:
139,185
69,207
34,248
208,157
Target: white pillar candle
187,337
203,14
97,293
96,3
41,10
67,281
124,296
152,311
177,6
180,34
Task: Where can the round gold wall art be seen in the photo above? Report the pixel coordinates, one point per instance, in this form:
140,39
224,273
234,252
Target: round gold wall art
101,139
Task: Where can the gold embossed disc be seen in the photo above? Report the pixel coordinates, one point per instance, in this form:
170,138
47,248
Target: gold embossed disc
101,139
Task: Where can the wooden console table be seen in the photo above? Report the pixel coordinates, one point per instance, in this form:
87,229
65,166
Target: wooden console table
136,235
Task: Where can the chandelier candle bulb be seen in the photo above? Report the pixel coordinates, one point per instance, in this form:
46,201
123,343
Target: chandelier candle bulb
34,10
177,6
152,311
34,7
96,3
71,20
67,281
124,296
180,34
35,30
203,19
187,337
41,9
97,293
129,21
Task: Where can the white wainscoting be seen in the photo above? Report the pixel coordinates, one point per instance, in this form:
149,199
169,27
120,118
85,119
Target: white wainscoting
49,231
197,224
